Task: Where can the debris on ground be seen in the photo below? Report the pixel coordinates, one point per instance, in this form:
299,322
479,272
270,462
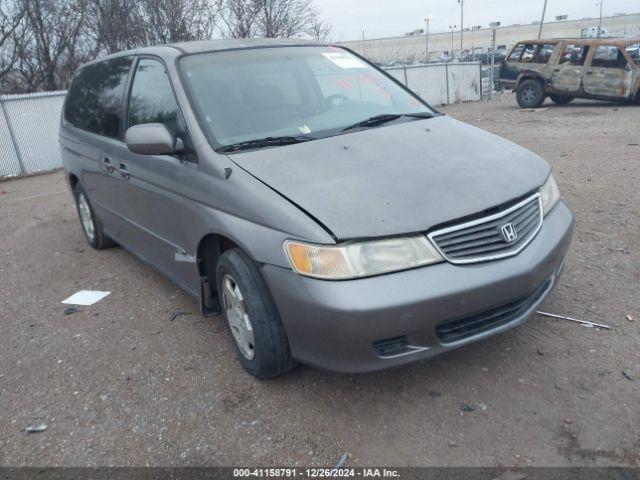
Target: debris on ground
435,395
629,317
179,313
85,297
465,407
576,320
533,109
452,444
71,310
341,461
627,374
41,427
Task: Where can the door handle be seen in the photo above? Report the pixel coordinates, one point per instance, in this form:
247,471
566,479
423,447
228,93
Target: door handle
589,72
556,70
106,161
124,171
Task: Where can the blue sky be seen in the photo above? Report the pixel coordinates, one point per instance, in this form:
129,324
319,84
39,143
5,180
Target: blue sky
381,18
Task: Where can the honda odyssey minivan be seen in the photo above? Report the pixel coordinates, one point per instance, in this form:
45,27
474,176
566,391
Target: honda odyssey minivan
330,214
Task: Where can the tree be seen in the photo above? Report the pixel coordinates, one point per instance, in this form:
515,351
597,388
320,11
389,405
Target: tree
239,18
54,44
272,19
11,32
115,25
168,21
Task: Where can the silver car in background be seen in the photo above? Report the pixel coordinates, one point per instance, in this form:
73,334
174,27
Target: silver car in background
329,213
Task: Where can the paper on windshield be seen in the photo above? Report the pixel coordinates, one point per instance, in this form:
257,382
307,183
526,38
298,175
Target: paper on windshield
343,60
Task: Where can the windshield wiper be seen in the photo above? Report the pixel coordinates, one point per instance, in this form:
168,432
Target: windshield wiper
384,118
263,142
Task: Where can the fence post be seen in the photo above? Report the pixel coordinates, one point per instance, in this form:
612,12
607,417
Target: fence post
481,81
446,73
12,135
406,80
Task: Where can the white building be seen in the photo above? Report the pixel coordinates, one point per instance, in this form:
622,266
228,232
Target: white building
412,48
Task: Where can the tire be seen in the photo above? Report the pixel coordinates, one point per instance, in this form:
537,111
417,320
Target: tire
530,94
91,225
263,349
561,99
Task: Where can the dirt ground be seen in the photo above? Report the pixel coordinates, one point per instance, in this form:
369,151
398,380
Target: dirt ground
120,384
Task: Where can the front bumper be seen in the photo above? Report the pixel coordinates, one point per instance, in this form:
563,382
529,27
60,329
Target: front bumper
335,324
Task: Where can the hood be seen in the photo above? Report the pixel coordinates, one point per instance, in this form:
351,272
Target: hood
398,179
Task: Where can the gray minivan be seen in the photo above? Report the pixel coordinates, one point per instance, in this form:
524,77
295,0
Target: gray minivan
331,215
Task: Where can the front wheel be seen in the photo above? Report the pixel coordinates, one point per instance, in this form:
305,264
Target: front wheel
259,337
530,94
560,99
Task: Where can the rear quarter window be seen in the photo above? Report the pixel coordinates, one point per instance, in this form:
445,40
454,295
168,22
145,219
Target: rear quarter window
94,100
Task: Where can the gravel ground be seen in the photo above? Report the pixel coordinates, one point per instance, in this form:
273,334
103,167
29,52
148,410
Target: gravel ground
120,384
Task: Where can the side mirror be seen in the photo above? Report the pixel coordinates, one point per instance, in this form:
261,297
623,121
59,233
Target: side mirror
150,139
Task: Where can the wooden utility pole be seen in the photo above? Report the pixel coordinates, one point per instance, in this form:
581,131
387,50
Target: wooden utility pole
544,11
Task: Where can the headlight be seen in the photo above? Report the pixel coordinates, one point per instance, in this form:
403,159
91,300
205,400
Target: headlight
360,259
550,195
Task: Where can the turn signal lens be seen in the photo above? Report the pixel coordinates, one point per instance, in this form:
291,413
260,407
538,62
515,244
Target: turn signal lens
360,259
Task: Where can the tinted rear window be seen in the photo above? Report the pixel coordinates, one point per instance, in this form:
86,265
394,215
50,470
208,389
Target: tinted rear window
94,101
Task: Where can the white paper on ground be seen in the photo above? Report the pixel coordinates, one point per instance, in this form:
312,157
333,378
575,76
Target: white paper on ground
86,297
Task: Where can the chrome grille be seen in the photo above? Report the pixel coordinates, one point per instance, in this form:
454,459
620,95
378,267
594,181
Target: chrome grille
491,237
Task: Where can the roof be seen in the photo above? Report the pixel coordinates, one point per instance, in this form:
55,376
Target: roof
590,41
238,43
200,46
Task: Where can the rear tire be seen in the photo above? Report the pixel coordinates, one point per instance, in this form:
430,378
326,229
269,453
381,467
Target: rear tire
561,99
530,94
89,221
261,342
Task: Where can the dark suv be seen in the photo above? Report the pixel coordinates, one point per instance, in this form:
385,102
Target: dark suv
601,69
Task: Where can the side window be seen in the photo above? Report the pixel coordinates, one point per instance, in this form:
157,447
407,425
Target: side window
94,101
574,54
528,53
634,53
515,53
608,57
152,99
544,53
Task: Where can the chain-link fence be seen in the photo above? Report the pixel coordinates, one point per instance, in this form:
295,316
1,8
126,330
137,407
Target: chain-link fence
29,133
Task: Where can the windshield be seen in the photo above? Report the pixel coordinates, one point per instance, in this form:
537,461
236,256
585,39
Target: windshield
252,94
634,53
